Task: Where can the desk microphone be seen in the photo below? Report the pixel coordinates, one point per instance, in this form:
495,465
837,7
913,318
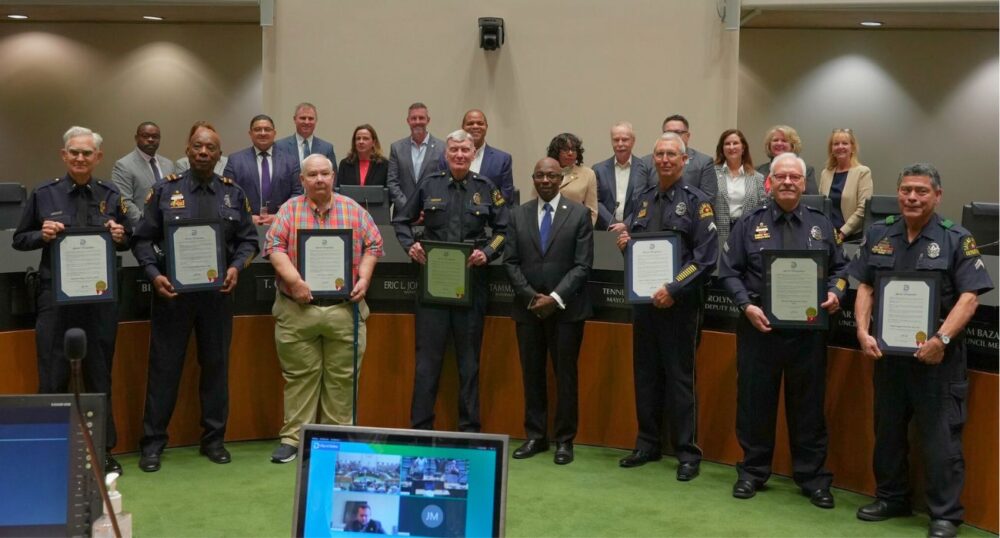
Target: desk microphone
75,348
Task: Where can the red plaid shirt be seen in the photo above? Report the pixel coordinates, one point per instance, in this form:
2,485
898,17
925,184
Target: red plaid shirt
301,213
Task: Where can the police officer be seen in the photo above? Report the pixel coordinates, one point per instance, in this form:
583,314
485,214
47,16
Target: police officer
456,205
765,353
664,332
195,194
930,384
74,200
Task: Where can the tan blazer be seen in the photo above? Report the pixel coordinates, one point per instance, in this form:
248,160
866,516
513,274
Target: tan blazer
580,185
857,190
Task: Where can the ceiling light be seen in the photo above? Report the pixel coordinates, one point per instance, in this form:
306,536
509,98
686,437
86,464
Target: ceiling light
17,17
871,24
152,18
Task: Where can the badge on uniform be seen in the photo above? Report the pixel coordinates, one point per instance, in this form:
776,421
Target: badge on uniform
681,209
476,199
816,233
883,247
177,200
933,250
761,232
705,211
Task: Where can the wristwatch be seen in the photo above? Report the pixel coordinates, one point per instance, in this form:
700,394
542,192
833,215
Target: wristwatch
944,338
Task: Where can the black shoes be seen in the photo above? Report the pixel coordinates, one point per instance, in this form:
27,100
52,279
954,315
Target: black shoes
639,457
821,498
216,453
564,453
942,528
532,447
149,462
687,471
111,465
881,510
744,489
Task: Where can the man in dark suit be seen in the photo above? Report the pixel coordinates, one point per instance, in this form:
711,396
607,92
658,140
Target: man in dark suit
549,253
618,178
414,157
268,175
490,162
363,521
700,168
303,143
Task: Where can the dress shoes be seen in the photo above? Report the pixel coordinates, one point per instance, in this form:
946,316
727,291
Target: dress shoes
530,448
942,528
821,498
744,489
111,465
149,463
881,510
216,454
564,453
639,457
688,470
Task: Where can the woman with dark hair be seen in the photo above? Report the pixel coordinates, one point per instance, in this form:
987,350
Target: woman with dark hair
579,182
741,188
364,164
847,183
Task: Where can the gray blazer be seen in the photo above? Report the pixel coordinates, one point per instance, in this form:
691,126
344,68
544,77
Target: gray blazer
755,197
134,177
401,179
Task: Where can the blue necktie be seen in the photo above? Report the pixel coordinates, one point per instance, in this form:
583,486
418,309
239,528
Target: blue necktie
265,180
306,150
156,169
546,226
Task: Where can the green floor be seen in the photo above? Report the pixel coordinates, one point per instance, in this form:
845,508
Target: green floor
191,497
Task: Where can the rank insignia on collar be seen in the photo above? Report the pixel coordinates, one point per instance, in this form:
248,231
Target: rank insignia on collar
816,233
681,209
883,247
705,211
969,248
933,250
476,198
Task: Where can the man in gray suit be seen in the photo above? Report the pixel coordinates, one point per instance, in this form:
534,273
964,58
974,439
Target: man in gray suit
618,178
414,157
303,143
700,168
136,172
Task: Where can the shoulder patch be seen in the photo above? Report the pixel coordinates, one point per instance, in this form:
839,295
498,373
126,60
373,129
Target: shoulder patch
969,248
149,195
498,198
172,177
705,210
947,224
122,206
246,205
841,284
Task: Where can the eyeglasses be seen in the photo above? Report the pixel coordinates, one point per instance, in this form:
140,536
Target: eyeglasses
786,177
551,176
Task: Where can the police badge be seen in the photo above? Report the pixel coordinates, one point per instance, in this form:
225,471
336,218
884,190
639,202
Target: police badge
681,209
816,233
933,250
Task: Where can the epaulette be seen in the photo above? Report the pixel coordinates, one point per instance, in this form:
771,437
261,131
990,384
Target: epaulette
890,219
226,180
172,177
947,224
813,209
57,180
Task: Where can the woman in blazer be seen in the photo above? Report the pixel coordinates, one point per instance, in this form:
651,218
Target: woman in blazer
782,139
741,188
847,183
364,164
579,182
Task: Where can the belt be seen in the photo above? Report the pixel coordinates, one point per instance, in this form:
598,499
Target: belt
319,301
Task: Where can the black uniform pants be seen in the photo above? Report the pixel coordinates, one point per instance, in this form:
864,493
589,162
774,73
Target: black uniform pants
538,340
100,322
936,396
210,314
762,359
663,342
434,325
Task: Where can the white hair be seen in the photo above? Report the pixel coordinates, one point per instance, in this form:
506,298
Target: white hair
788,156
458,136
316,157
672,136
76,131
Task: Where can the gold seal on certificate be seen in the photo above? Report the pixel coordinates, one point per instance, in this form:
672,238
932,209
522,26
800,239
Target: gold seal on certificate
907,310
83,264
194,254
445,277
651,260
794,288
325,261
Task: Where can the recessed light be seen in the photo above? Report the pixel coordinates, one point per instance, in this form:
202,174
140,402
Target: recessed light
152,18
871,24
17,17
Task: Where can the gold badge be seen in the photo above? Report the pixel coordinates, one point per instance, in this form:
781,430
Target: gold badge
705,210
969,247
177,200
476,199
761,232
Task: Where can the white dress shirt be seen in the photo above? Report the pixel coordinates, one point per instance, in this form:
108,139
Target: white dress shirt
622,171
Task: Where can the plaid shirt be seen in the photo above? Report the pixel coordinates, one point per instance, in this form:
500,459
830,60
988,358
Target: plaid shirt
301,213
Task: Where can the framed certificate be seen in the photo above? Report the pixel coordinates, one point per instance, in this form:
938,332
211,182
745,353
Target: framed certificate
651,260
195,260
794,287
908,306
325,261
444,279
84,266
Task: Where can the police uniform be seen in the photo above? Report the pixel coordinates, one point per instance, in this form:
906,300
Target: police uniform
904,387
664,338
797,354
458,212
210,313
92,204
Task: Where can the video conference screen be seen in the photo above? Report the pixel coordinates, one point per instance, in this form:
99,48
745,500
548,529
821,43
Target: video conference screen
393,486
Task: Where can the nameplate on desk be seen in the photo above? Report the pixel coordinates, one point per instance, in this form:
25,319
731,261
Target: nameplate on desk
264,289
607,295
392,288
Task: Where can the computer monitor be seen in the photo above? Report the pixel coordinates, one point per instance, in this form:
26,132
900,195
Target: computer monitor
46,481
408,482
981,219
374,198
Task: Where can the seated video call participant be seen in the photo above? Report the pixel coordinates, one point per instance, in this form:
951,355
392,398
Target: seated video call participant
266,173
363,521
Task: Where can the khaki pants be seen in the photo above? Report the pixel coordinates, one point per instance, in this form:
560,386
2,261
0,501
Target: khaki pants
316,352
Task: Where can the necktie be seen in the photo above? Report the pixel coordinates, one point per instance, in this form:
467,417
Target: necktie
306,151
546,226
787,233
82,205
156,170
265,180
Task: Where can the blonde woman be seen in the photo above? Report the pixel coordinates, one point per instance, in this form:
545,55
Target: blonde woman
847,183
782,139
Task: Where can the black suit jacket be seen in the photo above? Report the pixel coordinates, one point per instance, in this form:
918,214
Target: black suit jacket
565,266
349,174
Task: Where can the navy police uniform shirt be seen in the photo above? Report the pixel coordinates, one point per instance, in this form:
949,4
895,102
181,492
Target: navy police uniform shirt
183,197
686,211
62,200
765,228
942,247
456,212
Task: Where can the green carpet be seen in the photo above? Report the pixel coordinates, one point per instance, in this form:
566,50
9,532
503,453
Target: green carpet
192,497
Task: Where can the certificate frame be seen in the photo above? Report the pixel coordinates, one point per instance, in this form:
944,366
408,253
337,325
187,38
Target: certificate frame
109,293
640,239
884,279
820,320
344,234
461,296
170,227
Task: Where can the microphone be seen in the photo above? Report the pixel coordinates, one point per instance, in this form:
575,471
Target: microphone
75,348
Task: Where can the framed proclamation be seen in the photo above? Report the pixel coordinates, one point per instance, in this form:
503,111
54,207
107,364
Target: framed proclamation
651,260
444,279
907,309
325,261
794,287
195,259
84,266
